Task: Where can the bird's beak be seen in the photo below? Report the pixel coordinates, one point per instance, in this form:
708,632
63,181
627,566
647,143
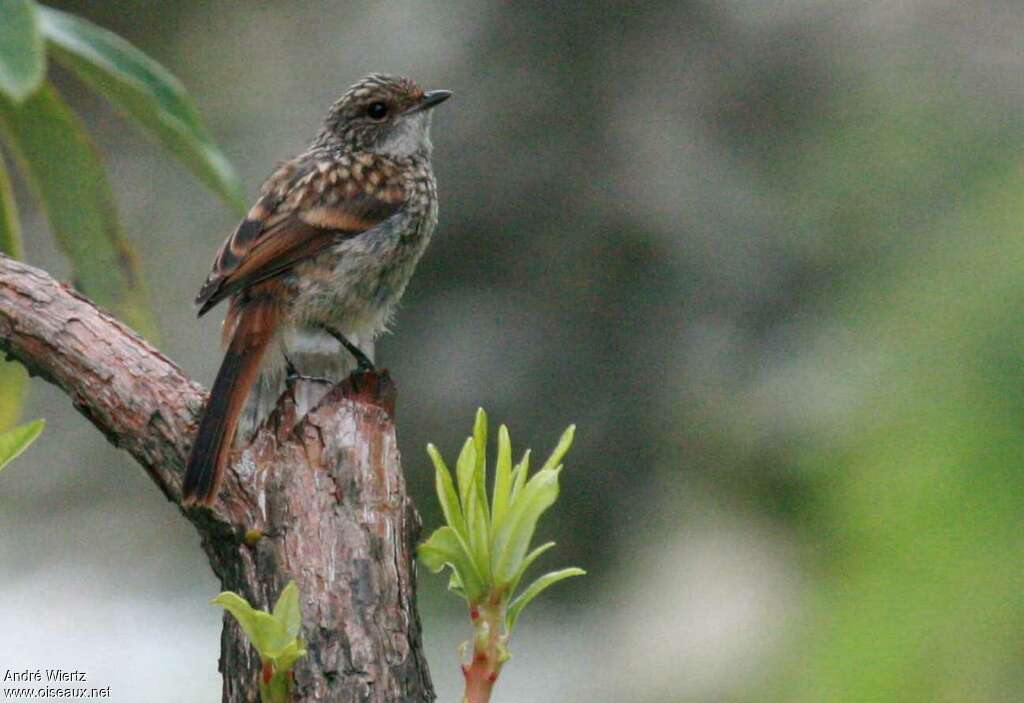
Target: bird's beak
430,100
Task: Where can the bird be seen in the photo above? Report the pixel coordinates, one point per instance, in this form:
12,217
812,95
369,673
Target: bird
313,272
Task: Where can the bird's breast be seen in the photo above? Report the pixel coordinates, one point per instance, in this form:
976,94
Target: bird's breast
355,284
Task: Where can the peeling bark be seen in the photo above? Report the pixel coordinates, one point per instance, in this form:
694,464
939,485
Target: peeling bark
325,492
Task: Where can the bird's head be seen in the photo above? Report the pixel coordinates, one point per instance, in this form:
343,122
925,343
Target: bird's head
386,115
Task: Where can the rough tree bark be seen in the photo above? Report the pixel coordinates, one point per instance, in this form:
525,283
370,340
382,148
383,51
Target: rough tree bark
319,499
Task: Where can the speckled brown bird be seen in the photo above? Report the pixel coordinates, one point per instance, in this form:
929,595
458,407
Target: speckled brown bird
314,270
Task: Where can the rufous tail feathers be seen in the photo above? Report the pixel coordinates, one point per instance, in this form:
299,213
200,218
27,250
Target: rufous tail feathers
257,318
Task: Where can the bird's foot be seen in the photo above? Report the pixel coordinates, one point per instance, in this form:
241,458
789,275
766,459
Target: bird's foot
292,375
363,363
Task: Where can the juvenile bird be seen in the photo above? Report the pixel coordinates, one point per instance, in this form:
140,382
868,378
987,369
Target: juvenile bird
314,270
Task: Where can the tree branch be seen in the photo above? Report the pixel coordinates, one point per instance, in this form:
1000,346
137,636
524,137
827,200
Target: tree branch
319,499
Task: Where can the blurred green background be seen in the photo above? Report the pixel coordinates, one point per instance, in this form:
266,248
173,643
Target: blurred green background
767,256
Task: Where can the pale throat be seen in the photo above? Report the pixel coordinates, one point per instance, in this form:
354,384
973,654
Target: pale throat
410,135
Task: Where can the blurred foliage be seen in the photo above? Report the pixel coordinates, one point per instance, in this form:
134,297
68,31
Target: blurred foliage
22,59
14,442
12,375
147,92
915,505
58,159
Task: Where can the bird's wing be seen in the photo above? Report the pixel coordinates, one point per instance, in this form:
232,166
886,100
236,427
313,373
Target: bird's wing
305,207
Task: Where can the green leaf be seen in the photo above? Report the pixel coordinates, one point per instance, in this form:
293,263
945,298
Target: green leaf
520,602
146,91
10,226
14,442
13,383
292,652
465,467
267,633
502,478
512,539
564,442
61,165
446,494
446,548
527,563
277,690
519,475
478,527
22,54
287,609
480,443
12,376
530,497
455,584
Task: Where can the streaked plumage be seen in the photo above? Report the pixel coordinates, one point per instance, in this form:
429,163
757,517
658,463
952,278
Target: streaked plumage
331,242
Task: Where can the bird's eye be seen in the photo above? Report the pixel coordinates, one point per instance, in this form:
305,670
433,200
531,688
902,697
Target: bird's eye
377,111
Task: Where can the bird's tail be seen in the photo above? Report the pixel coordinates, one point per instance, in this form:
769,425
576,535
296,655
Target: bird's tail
255,327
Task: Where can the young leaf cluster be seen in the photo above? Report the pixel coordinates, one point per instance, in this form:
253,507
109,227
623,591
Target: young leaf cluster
486,539
275,635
